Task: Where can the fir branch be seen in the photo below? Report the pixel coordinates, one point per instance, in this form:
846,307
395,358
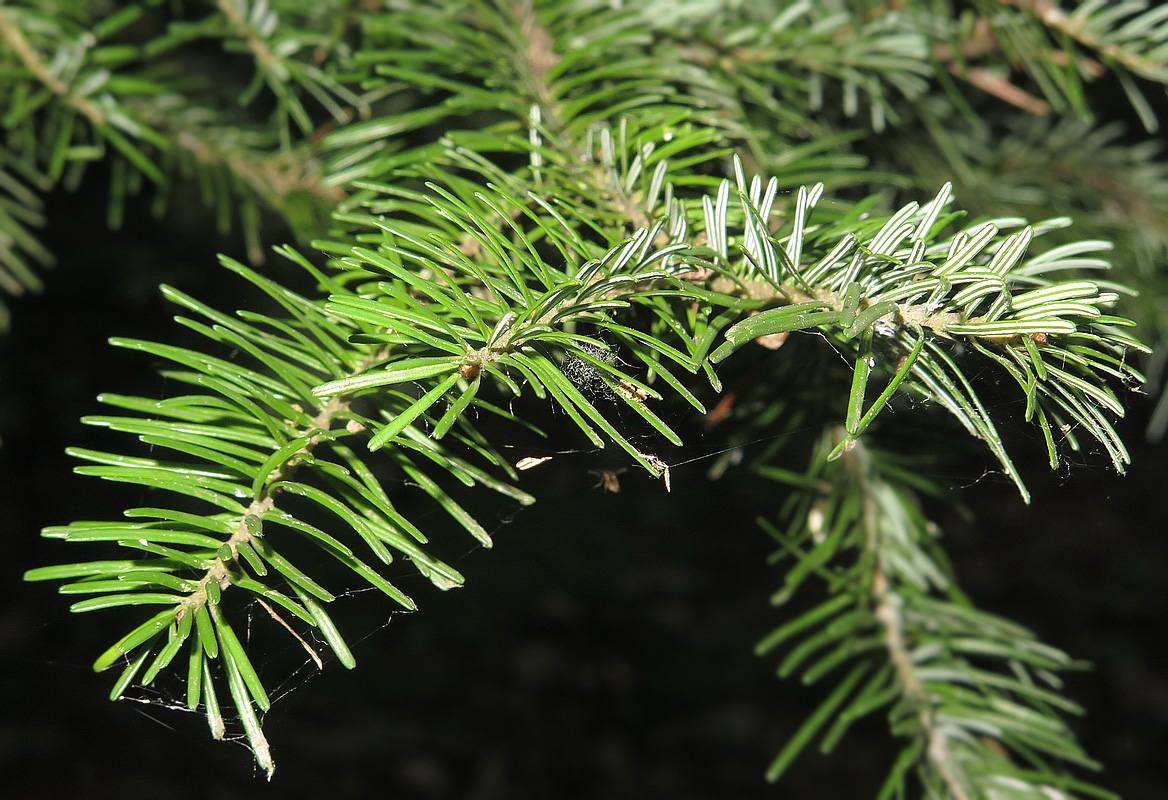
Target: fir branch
536,60
222,571
265,59
585,273
887,610
1125,37
272,176
36,67
886,55
250,437
1079,27
860,532
271,44
892,278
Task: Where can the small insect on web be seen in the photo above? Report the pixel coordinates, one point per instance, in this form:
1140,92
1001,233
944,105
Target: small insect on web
608,479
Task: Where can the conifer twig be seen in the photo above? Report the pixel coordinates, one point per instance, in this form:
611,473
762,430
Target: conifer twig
28,56
887,612
1051,14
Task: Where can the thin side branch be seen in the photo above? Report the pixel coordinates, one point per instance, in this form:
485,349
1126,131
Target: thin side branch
220,572
533,63
999,86
32,62
887,611
266,176
1051,15
263,55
